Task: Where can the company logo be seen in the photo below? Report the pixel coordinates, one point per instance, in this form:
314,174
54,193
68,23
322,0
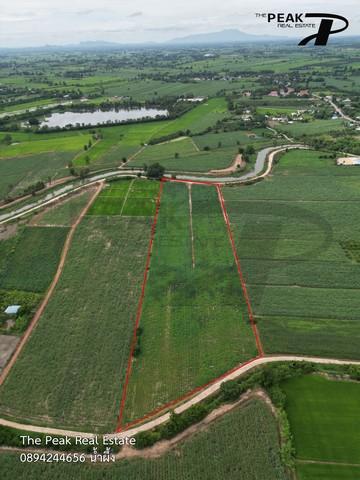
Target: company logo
302,20
325,28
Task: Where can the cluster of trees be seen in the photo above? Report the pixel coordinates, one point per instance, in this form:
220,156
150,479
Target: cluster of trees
344,143
35,187
154,171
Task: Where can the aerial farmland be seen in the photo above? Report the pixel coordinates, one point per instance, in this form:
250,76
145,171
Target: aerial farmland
180,282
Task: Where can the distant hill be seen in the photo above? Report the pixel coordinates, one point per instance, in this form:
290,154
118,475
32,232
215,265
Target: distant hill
225,36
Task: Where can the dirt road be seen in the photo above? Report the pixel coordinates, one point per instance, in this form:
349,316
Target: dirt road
238,163
208,391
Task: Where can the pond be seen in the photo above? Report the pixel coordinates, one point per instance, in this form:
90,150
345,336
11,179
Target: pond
64,119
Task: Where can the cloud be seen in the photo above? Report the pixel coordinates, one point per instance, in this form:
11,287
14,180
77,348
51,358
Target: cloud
136,14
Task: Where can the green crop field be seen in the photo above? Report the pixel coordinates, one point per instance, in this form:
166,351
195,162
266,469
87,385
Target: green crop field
19,172
327,472
199,118
277,110
43,143
237,138
187,158
289,231
126,140
111,199
88,323
127,198
163,151
30,259
66,212
324,421
187,320
118,143
315,127
141,200
242,444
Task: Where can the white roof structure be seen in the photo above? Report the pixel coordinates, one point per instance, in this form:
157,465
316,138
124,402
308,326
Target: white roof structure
12,309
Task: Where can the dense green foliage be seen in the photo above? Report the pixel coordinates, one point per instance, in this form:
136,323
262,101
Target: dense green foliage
18,323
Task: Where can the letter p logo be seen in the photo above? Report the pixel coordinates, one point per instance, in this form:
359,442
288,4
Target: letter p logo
322,36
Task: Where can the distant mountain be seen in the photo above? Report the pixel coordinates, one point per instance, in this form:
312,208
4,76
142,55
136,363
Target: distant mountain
225,36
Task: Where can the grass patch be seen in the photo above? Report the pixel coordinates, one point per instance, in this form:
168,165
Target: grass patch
327,472
127,198
18,173
324,420
66,212
31,258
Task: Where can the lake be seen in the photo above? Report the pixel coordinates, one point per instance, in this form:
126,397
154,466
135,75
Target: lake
63,119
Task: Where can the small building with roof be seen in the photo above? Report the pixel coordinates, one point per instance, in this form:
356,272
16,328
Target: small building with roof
12,309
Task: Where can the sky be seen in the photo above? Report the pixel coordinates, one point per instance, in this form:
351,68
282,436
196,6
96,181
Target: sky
46,22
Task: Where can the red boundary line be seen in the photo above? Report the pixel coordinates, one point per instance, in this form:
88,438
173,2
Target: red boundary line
241,276
139,309
251,317
186,396
195,182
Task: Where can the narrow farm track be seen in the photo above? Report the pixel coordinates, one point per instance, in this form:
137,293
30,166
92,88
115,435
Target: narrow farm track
301,461
199,397
191,227
51,289
126,196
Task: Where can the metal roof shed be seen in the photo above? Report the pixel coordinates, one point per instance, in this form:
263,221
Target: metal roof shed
12,309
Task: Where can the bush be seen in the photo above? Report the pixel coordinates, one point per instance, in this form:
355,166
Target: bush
147,439
155,171
230,390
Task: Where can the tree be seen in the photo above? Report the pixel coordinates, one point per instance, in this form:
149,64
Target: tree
176,155
155,171
7,139
83,172
34,122
249,150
